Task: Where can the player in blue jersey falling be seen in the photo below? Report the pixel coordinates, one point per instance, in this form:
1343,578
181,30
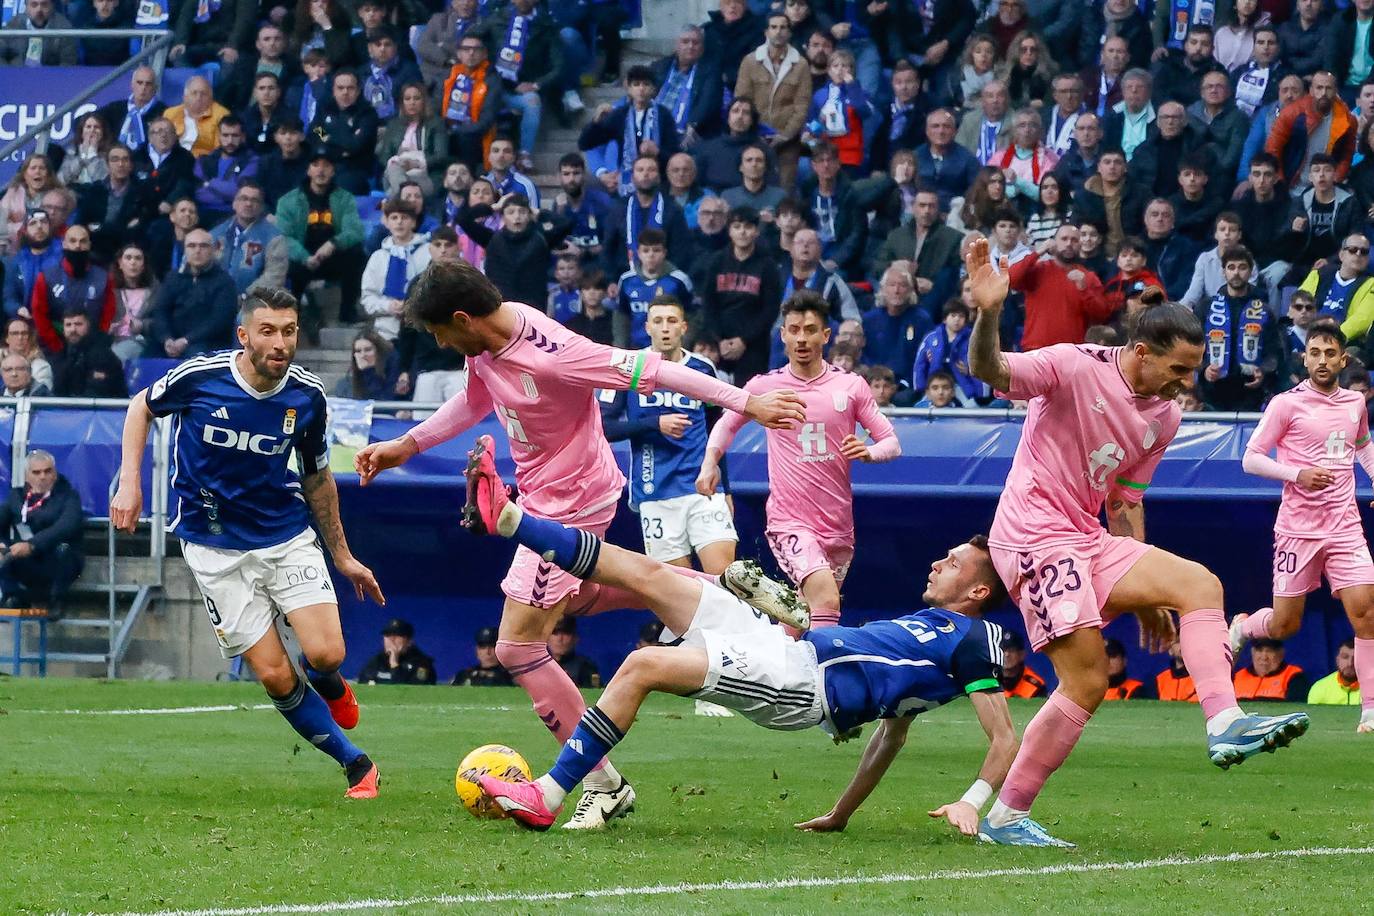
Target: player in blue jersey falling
836,677
667,434
243,516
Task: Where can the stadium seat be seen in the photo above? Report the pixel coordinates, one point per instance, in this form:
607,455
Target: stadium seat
17,617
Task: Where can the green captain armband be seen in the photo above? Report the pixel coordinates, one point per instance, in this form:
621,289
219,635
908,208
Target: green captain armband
1132,485
988,683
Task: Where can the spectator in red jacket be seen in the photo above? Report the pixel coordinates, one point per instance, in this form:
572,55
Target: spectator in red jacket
1062,297
72,284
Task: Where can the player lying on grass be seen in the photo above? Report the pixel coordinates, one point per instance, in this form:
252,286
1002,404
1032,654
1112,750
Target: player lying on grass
1320,430
835,677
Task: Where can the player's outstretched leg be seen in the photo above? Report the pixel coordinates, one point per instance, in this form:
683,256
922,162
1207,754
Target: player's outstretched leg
746,580
309,715
680,670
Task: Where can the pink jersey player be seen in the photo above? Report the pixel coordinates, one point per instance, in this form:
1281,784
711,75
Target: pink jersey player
810,508
540,379
1319,430
1098,423
1086,432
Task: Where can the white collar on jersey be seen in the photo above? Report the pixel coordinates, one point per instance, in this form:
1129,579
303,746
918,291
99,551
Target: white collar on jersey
249,389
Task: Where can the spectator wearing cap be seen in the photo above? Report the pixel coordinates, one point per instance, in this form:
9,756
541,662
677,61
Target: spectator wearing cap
488,671
324,234
74,284
345,129
385,72
563,648
283,169
1269,676
196,308
37,251
1340,687
636,126
196,119
165,168
1120,685
1018,679
1174,683
38,52
400,661
527,54
740,296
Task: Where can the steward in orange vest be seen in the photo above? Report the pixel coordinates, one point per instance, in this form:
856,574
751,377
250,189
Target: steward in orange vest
1017,679
1121,686
1269,677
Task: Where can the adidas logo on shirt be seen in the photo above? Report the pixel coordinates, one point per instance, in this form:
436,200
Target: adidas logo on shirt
221,414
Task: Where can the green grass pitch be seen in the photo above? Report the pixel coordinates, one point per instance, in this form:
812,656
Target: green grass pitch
227,810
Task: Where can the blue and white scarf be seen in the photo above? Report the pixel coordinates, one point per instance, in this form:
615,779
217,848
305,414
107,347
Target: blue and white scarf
900,114
377,90
512,53
629,146
987,141
634,224
676,94
132,133
205,9
459,110
309,102
1223,345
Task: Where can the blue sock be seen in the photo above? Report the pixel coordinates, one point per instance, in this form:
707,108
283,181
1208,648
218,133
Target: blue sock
568,548
593,739
309,716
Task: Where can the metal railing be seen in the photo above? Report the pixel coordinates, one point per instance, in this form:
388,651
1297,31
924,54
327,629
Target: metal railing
159,40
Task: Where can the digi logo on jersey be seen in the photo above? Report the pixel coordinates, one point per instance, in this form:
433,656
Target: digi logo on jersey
241,440
670,399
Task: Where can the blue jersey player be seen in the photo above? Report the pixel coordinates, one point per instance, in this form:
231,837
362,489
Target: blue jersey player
654,276
835,677
239,418
667,434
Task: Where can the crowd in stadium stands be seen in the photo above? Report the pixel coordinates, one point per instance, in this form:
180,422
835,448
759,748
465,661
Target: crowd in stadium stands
1222,150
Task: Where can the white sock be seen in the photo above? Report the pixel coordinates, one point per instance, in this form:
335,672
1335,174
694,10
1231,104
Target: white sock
1001,815
605,779
1223,720
553,792
509,520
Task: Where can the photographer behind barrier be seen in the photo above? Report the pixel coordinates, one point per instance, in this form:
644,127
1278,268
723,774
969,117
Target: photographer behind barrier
40,526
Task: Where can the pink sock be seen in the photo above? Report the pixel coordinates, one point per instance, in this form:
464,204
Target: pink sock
1207,653
1049,738
1364,671
824,617
1256,626
557,701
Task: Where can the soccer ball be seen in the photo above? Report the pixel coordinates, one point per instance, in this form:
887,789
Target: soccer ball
488,760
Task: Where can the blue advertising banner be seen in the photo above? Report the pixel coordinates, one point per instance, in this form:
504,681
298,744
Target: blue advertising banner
33,93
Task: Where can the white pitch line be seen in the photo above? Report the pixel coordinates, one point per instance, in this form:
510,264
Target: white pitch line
664,890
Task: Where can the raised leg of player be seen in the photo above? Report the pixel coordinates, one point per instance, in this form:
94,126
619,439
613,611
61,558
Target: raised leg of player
822,593
320,634
716,556
1359,607
308,713
597,597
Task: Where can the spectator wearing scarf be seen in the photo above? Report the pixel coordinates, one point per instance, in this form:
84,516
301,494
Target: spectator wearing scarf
469,101
132,117
1025,159
391,269
385,72
526,51
1244,347
643,127
690,87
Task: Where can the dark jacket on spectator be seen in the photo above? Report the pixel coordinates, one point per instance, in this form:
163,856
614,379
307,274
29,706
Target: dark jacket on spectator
57,52
703,110
1303,248
201,307
741,299
1264,225
258,133
1177,81
1303,51
1340,44
220,177
951,20
517,262
229,26
1194,219
104,52
171,181
124,225
89,369
940,250
1226,136
57,520
1229,391
281,176
893,340
348,138
611,128
114,114
543,60
415,668
235,88
615,245
1135,30
1172,259
417,351
729,42
1155,163
718,158
1074,169
950,177
1090,206
913,133
851,227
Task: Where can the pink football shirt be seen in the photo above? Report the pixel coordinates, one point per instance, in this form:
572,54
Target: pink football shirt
1315,430
1086,431
542,386
808,478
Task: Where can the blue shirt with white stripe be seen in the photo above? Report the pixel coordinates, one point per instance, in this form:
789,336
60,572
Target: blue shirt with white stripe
232,482
892,668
